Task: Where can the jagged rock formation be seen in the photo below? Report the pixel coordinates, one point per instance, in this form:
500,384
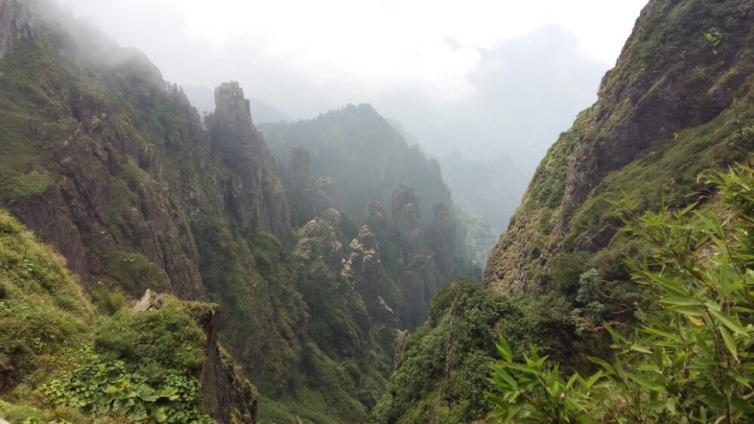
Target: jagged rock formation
362,268
363,154
255,192
664,115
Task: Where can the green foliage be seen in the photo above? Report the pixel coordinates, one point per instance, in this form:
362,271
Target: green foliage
535,391
135,273
26,414
107,300
690,360
442,373
25,185
140,366
104,387
43,314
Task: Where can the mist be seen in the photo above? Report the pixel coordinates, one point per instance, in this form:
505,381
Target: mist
485,79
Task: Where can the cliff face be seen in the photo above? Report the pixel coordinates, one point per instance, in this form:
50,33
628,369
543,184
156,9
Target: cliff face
78,171
663,116
15,24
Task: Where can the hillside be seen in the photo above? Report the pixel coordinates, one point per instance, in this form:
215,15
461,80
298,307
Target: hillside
677,105
363,154
66,358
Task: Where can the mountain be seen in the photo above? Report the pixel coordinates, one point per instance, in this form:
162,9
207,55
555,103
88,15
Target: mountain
115,170
676,106
665,113
363,154
355,161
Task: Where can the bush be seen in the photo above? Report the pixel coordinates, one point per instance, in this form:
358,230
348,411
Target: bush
690,361
103,387
153,342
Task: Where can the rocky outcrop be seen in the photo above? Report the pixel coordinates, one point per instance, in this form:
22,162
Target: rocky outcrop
104,201
227,393
445,239
254,192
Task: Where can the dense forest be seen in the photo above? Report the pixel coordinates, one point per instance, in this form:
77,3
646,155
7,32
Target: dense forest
170,262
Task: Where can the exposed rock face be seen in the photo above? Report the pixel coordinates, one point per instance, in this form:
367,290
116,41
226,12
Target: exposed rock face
377,218
362,268
150,301
673,85
407,219
255,193
102,200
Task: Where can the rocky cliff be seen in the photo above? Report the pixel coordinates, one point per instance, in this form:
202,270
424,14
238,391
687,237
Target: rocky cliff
676,103
42,305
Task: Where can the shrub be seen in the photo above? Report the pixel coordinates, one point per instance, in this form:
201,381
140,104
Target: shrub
690,361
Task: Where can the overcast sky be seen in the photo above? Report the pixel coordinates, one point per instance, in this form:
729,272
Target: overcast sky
486,77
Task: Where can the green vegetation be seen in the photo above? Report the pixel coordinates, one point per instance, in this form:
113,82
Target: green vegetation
142,366
44,316
60,361
689,359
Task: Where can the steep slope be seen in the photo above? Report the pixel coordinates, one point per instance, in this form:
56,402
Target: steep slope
679,103
58,350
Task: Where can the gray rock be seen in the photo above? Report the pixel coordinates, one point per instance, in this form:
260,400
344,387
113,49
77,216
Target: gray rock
150,301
